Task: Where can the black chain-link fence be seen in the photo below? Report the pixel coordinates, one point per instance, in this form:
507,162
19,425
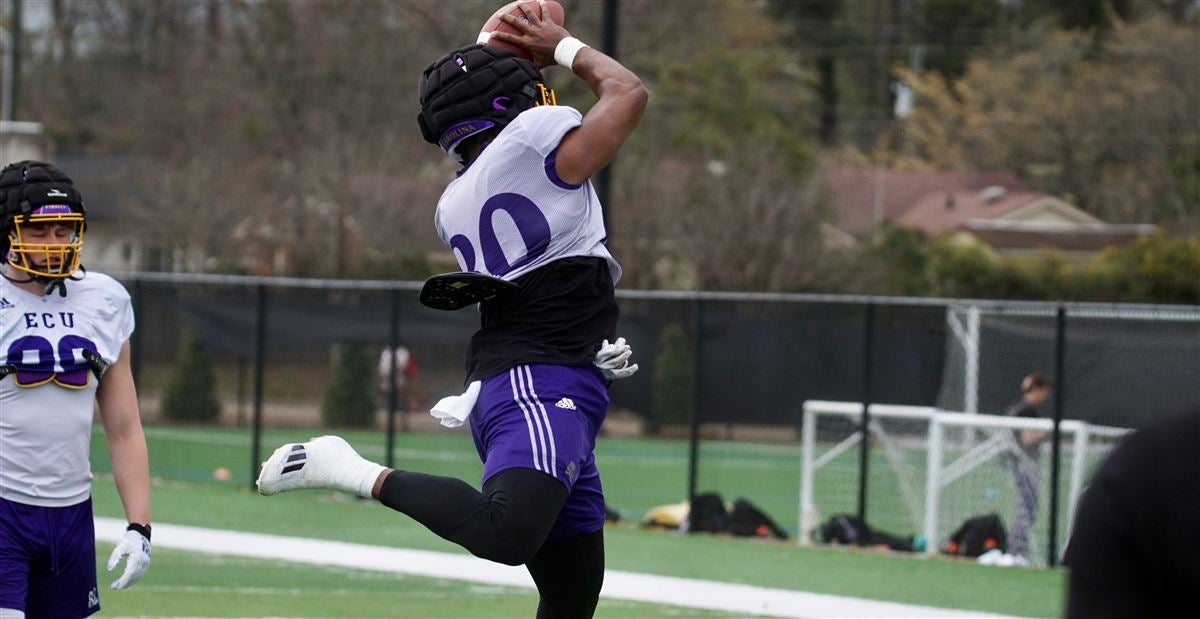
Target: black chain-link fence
723,378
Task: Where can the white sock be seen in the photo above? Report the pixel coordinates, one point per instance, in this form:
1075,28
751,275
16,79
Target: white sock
361,477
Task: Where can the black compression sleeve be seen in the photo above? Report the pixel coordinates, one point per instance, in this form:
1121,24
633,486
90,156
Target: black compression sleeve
507,522
569,574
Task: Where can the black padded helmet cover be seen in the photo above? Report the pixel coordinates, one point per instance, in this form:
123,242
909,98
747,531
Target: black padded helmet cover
26,186
473,89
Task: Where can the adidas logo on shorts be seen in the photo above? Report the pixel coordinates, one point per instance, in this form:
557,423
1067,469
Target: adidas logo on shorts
296,459
565,403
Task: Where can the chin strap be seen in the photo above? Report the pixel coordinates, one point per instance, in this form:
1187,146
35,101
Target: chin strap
60,282
54,282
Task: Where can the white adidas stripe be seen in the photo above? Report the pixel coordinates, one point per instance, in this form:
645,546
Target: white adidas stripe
512,379
546,418
537,420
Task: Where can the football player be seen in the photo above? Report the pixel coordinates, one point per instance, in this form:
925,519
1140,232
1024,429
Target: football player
64,345
522,210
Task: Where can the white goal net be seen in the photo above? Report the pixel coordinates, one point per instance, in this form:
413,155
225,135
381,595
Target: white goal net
931,470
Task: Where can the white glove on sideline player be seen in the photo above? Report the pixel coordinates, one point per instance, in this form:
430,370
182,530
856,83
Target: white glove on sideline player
613,360
137,547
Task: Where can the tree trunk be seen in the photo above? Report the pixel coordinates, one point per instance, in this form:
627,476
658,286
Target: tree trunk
827,87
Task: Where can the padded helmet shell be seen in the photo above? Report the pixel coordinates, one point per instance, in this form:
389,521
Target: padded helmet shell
36,192
473,89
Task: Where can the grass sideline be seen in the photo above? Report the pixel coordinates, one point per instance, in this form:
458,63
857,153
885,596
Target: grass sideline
183,460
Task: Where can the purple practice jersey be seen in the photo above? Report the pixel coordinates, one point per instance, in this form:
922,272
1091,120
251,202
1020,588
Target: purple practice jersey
509,213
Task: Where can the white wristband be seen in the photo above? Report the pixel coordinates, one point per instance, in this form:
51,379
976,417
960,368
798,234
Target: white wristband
564,52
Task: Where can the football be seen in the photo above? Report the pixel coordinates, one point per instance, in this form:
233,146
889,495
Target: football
554,11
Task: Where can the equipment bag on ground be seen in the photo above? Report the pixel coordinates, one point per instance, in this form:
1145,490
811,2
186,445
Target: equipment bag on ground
978,535
747,520
853,531
708,514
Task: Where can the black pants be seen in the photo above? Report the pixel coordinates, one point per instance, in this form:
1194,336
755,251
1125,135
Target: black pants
508,522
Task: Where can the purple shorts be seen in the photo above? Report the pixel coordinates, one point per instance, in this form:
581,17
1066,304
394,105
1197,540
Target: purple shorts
48,560
546,417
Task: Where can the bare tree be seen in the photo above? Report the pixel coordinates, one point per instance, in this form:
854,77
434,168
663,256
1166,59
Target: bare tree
751,222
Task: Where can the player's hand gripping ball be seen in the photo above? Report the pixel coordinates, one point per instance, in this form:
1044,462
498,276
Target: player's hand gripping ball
554,12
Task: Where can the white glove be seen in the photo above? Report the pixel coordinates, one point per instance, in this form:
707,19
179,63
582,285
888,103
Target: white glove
137,547
613,360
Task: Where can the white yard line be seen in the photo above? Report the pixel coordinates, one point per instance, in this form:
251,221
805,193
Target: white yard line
686,592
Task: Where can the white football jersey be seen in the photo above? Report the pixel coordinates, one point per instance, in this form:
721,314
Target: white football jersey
509,213
46,407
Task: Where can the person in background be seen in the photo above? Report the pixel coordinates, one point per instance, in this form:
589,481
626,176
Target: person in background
406,374
1024,465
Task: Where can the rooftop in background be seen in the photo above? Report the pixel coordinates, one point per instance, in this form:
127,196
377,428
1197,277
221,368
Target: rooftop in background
951,210
1017,235
993,208
867,197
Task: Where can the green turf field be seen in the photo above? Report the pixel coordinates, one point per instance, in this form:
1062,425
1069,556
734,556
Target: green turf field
638,473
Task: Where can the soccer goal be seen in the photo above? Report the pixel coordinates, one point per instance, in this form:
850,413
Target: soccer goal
930,470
